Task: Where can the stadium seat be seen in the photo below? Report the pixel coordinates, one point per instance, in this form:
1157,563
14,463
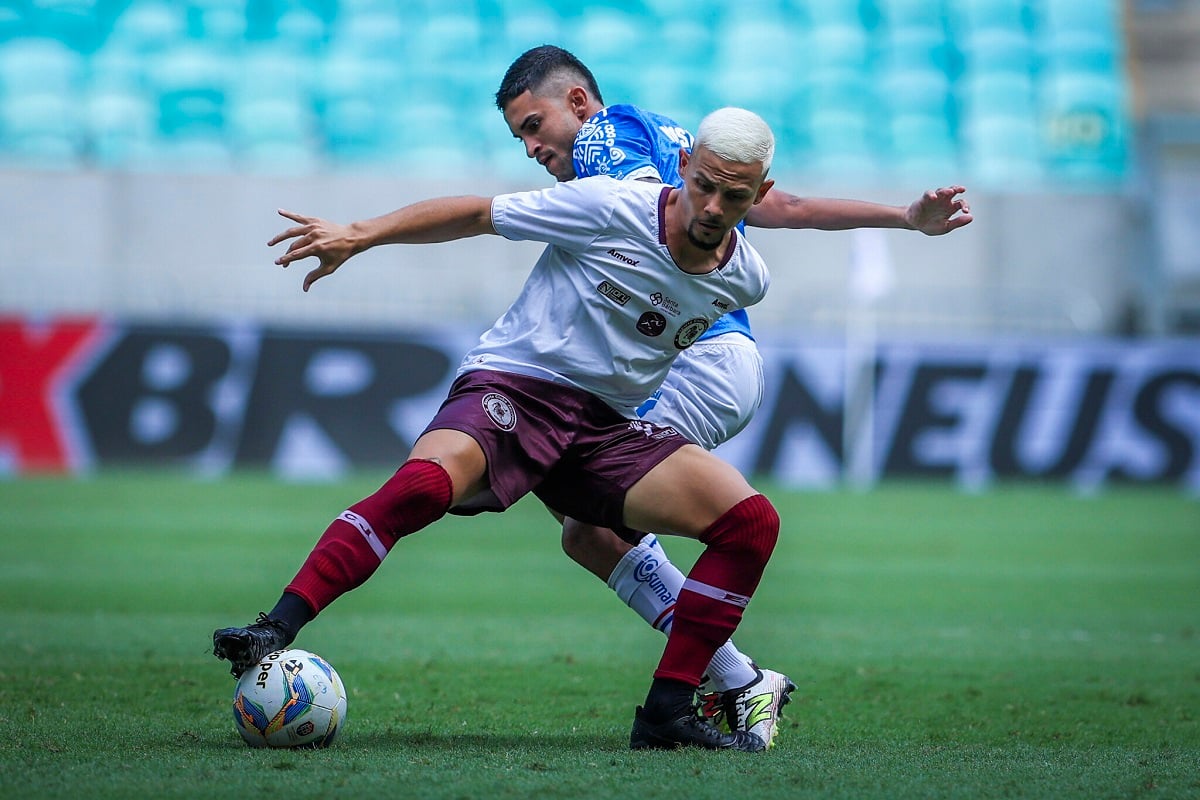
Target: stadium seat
273,134
841,141
831,12
374,34
39,64
967,16
922,145
1080,51
79,24
993,50
1002,152
192,82
1002,94
915,47
838,46
42,129
304,31
121,125
149,26
898,14
916,91
1097,17
527,24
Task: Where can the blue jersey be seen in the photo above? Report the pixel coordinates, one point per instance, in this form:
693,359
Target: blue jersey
627,143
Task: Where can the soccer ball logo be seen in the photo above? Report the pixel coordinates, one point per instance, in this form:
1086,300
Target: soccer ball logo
292,698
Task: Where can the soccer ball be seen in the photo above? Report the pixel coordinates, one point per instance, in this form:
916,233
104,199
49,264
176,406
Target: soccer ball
292,698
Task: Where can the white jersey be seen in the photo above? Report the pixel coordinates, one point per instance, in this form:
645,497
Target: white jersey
606,309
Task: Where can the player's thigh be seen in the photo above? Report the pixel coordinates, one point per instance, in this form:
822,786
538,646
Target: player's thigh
712,391
685,493
460,455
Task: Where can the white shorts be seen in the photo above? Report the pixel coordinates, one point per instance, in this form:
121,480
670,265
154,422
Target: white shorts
713,389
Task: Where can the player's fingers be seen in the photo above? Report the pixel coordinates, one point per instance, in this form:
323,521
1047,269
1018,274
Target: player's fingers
290,233
294,217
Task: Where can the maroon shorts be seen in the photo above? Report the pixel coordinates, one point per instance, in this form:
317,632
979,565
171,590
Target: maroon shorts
568,447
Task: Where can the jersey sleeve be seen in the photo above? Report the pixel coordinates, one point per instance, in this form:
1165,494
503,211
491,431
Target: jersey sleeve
569,215
618,142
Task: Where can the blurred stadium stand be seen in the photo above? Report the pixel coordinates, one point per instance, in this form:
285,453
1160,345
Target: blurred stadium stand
1036,105
871,86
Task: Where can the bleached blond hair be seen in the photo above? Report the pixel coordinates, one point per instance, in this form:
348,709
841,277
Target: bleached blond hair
736,134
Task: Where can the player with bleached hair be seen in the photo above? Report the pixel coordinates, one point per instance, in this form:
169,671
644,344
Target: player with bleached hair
552,104
547,401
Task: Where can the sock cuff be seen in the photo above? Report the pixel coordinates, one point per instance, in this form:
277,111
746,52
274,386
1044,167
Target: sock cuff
628,564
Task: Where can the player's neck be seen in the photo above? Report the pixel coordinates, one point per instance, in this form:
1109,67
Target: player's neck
689,257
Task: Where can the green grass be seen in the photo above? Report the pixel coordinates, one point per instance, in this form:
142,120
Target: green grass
1024,642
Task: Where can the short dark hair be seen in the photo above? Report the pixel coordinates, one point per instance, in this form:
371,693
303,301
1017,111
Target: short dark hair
535,67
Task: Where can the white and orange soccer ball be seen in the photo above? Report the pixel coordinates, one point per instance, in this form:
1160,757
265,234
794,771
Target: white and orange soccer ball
291,698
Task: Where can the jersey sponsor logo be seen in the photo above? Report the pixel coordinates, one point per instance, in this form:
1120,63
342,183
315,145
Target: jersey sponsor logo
667,304
651,323
692,330
721,304
679,136
619,256
613,293
652,431
500,410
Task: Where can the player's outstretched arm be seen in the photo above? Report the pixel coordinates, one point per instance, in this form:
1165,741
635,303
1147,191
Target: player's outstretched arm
440,220
934,213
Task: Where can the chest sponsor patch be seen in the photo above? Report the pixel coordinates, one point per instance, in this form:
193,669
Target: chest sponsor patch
651,323
689,332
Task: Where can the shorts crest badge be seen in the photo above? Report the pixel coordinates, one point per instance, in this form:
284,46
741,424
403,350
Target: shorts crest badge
500,410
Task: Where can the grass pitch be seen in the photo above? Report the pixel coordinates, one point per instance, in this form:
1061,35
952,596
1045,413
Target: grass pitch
1024,642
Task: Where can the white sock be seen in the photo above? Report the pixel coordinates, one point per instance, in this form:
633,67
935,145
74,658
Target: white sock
647,581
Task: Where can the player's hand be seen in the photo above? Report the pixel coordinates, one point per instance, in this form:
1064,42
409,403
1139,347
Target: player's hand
939,211
313,236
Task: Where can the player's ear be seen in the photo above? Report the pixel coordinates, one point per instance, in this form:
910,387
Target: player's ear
762,191
684,155
577,99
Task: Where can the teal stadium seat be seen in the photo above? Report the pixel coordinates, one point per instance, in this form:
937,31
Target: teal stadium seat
1081,51
42,129
523,24
148,26
1003,152
79,24
302,30
915,47
1098,17
374,34
40,64
192,83
997,94
898,14
967,16
274,134
122,125
916,91
993,50
221,24
838,46
923,146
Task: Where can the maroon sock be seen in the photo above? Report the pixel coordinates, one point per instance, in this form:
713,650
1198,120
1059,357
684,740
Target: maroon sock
354,544
719,587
